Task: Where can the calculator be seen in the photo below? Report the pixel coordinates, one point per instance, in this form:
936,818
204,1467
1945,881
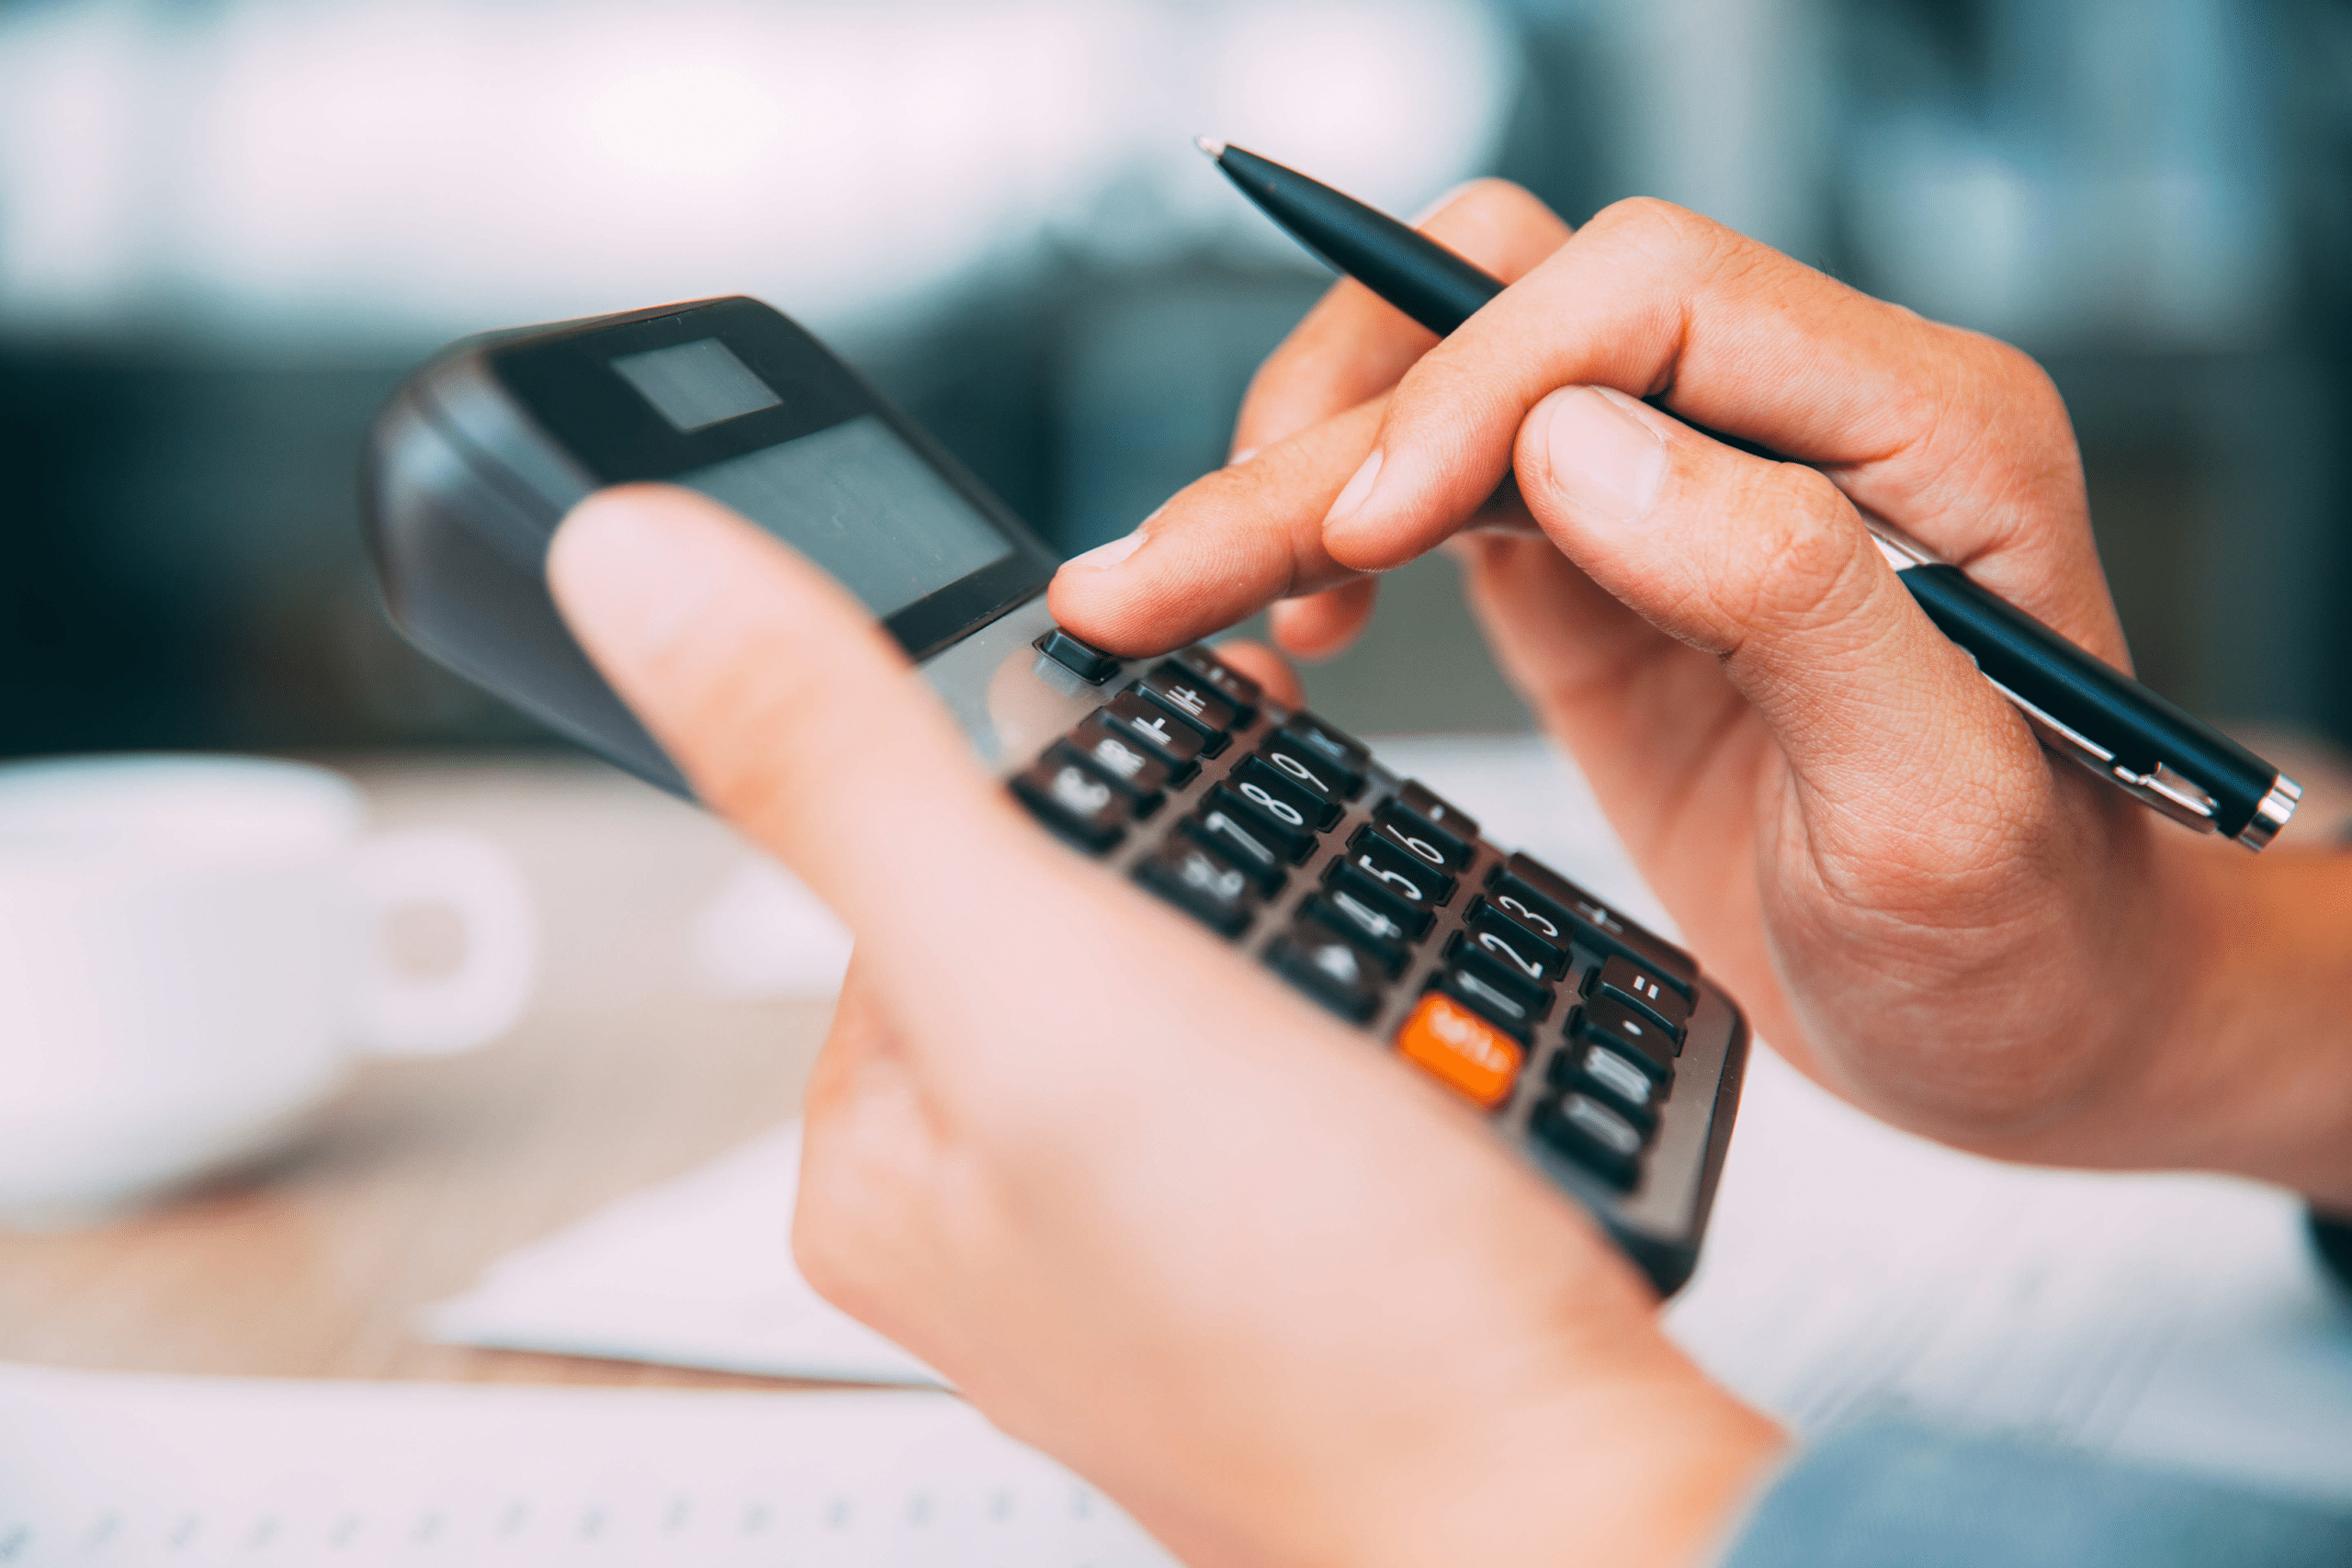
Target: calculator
1594,1047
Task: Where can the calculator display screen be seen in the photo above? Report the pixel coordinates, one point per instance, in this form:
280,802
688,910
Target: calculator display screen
858,501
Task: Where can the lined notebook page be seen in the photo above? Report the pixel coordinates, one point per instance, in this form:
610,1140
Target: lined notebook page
101,1469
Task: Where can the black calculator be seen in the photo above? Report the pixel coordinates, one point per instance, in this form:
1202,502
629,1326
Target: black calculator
1595,1047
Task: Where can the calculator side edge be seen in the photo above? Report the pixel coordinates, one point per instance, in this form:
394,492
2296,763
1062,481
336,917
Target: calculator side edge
460,541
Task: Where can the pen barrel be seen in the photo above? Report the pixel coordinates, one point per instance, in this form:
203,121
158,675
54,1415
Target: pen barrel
2091,697
1421,277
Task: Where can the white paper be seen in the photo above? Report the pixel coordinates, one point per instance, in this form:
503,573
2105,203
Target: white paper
695,1272
98,1469
1854,1271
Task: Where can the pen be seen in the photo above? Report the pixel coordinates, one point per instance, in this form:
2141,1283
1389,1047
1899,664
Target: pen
2079,706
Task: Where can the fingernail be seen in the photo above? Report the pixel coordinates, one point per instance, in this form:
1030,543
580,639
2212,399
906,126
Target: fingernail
1358,490
1603,457
624,572
1241,457
1102,557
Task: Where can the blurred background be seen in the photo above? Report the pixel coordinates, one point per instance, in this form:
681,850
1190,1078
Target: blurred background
227,227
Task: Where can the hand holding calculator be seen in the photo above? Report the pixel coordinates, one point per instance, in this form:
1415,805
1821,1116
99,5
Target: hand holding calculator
1592,1044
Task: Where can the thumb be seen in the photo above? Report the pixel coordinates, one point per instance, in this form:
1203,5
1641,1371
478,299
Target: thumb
792,713
1768,566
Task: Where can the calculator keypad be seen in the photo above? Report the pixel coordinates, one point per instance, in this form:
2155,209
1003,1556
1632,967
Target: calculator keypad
1377,898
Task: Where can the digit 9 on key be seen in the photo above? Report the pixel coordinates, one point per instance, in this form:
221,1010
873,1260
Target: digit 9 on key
1595,1049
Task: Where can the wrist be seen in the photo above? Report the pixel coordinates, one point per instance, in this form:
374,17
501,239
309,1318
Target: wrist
1650,1468
2256,1059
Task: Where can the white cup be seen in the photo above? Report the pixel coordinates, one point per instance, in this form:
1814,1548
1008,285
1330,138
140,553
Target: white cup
191,953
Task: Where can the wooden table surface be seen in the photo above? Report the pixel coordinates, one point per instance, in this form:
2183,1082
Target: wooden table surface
627,1070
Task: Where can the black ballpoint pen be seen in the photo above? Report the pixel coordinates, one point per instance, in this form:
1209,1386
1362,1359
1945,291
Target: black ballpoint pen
2079,706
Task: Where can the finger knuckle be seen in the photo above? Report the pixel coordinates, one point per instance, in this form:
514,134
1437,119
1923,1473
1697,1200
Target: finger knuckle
1807,549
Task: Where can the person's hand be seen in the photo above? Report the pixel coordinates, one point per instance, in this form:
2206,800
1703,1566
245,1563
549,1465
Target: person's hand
1915,902
1280,1298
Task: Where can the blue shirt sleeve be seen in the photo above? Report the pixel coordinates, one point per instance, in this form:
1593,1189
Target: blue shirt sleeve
1896,1496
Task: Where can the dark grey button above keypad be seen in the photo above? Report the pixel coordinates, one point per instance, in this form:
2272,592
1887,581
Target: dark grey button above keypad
1178,743
1203,884
1330,968
1310,770
1084,660
1513,945
1226,681
1415,795
1243,842
1604,1018
1292,839
1404,876
1619,981
1190,698
1074,801
1423,839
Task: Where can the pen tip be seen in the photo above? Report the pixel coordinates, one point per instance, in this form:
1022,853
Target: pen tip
1211,147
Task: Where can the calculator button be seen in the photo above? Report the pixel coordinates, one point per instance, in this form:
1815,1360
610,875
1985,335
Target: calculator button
1311,770
1478,990
1224,680
1405,877
1619,1079
1187,696
1620,981
1415,795
1089,663
1074,801
1513,945
1421,838
1203,884
1123,755
1596,925
1378,933
1330,968
1602,1020
1592,1135
1124,761
1532,995
1331,745
1273,790
1275,825
1249,848
1178,743
1461,1050
1344,882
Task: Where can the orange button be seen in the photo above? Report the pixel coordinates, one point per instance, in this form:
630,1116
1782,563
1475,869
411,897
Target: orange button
1461,1050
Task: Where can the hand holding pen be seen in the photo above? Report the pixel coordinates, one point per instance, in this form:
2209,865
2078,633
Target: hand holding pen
1915,901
